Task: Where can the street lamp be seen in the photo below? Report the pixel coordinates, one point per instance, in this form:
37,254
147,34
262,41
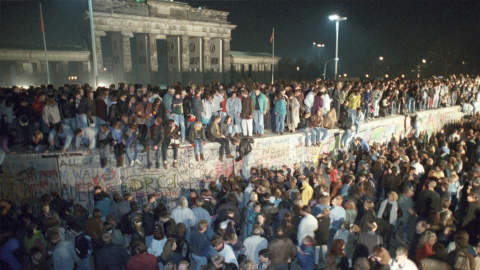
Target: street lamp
381,58
325,68
337,19
424,61
319,46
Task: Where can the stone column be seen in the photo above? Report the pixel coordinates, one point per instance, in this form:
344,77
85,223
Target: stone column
226,60
153,57
185,66
246,71
255,72
206,54
207,72
127,55
98,45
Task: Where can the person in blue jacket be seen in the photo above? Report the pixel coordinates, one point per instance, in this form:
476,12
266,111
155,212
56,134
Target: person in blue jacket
260,101
280,112
306,253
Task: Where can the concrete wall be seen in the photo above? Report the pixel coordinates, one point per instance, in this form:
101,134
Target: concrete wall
27,177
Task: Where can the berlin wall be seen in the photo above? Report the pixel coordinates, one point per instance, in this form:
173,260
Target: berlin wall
26,177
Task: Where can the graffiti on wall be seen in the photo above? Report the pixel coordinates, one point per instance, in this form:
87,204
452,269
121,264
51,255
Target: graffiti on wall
25,180
75,176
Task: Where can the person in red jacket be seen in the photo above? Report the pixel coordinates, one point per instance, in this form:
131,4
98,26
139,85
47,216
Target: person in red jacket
142,260
425,248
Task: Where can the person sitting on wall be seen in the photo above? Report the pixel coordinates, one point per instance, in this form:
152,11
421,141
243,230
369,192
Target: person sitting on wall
197,138
171,137
215,135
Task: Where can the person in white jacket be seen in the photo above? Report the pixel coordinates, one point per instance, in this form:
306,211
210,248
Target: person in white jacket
51,114
182,214
254,244
86,135
308,225
309,99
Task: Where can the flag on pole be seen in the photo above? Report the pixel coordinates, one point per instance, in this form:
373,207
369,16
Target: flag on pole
271,38
41,22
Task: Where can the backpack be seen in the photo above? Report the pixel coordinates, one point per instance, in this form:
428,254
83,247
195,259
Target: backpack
83,246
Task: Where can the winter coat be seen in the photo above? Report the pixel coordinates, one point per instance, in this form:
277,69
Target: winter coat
293,113
248,108
196,134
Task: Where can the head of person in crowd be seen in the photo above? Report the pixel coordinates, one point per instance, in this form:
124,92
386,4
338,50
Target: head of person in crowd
381,255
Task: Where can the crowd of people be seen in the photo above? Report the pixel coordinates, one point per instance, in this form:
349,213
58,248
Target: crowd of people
407,204
133,118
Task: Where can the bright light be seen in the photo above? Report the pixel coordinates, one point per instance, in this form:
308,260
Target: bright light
424,61
367,75
314,43
298,68
105,69
386,75
334,17
320,45
463,62
339,76
199,7
403,75
345,75
381,58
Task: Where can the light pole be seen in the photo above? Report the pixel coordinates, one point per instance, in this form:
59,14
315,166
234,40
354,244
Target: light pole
325,68
337,19
319,46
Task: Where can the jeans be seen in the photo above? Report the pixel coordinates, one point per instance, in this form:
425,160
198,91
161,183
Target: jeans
148,241
366,110
81,120
310,134
320,253
237,122
346,137
248,162
129,151
198,146
83,264
233,129
258,122
280,123
199,260
180,122
71,122
357,127
411,104
322,133
247,127
99,122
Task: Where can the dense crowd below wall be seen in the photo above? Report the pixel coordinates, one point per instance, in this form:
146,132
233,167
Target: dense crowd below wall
402,205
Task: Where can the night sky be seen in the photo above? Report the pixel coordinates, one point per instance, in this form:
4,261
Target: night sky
403,32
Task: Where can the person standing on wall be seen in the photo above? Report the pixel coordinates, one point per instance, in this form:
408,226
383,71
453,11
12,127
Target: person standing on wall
248,109
260,103
244,150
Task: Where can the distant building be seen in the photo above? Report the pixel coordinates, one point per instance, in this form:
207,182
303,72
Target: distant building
147,42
